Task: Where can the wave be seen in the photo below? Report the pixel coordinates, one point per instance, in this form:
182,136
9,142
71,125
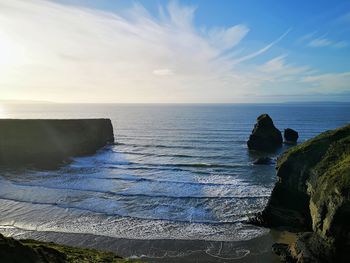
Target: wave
175,165
170,181
242,218
166,139
143,179
185,147
143,195
174,169
221,157
205,165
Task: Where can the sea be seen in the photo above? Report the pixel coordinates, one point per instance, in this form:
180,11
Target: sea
178,185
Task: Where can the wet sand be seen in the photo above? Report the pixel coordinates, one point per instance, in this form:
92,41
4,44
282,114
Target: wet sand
172,251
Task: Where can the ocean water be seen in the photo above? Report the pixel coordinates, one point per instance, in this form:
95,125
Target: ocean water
177,172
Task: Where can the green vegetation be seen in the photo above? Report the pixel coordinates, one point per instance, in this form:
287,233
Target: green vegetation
313,193
31,251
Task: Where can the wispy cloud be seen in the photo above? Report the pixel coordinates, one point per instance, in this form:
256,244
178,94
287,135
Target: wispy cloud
279,66
227,38
325,42
163,72
64,53
320,42
262,50
341,44
345,18
339,82
312,40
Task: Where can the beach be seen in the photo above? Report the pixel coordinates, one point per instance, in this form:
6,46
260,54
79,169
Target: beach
179,183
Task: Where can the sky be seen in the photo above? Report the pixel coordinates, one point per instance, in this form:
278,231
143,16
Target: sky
184,51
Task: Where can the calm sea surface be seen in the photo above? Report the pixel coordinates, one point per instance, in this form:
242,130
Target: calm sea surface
178,172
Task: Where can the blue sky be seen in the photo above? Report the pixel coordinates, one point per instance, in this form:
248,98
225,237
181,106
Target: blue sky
248,51
268,19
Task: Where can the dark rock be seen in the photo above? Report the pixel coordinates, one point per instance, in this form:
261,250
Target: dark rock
50,142
282,250
313,194
310,247
265,136
263,161
290,136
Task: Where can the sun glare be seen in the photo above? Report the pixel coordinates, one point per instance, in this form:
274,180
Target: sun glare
8,50
2,112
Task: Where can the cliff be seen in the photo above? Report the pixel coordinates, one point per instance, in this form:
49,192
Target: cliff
30,251
312,195
50,142
47,143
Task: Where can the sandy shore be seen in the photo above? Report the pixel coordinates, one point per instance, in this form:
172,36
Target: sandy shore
172,251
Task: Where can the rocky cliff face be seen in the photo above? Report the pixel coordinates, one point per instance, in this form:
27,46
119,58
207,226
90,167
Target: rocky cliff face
49,142
313,194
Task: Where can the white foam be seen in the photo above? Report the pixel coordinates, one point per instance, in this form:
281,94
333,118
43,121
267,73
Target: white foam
41,217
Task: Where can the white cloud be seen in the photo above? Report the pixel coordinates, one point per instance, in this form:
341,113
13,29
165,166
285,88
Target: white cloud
163,72
324,42
279,67
339,82
75,53
341,44
262,50
320,42
67,53
227,38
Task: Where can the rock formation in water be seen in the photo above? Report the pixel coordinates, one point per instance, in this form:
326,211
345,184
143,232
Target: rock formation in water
30,251
265,136
290,136
312,195
263,161
50,142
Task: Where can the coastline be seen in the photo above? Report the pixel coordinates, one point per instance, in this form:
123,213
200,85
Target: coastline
173,251
257,249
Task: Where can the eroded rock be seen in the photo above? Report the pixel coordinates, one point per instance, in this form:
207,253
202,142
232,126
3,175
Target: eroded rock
263,161
290,136
265,136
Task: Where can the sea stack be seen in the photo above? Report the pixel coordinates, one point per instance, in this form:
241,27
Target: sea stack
265,136
47,143
290,136
312,195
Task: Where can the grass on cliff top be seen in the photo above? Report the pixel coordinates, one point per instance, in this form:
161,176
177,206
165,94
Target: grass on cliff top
312,150
334,171
31,251
76,255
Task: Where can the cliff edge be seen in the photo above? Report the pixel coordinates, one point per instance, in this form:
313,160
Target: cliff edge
50,142
31,251
312,196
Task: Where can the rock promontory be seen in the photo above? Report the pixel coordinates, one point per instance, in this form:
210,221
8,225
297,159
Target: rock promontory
50,142
312,196
265,136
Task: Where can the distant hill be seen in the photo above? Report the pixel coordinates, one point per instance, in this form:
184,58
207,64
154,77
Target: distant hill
25,102
318,102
